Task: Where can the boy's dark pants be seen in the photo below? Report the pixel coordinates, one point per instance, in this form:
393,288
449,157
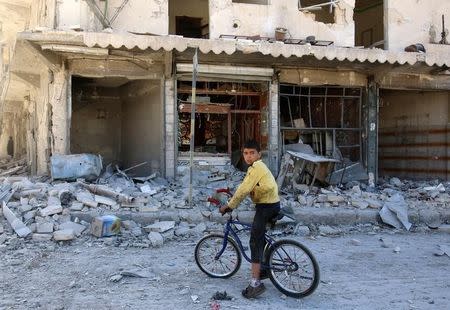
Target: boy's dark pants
264,212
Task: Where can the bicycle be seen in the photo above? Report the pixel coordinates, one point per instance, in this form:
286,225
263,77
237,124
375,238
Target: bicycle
292,268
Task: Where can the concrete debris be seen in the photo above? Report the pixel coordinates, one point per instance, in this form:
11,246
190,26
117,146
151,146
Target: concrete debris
156,239
64,235
395,212
160,227
19,227
396,182
443,249
53,207
75,227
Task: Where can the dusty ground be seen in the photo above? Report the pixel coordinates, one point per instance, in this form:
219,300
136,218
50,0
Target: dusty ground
364,276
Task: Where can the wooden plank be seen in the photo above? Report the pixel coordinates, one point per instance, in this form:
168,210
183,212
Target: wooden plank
204,108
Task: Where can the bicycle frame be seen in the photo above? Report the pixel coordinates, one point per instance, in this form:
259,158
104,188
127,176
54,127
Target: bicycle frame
233,233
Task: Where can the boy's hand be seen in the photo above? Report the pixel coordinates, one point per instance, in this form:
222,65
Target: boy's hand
223,209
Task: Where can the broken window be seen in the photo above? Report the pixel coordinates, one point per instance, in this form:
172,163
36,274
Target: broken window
322,10
327,118
227,115
369,20
189,18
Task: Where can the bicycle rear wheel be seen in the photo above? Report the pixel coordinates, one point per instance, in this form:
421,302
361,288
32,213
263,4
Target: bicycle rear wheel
224,266
293,269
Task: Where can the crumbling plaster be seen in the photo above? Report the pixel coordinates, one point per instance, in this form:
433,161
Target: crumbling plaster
409,22
141,16
252,19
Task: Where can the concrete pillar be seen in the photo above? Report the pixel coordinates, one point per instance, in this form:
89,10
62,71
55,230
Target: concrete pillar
61,112
372,128
274,127
170,134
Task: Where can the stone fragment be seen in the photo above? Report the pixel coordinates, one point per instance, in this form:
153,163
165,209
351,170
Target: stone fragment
355,242
105,200
19,227
322,198
25,208
335,198
53,207
182,231
200,228
302,230
44,228
64,235
87,199
397,249
361,204
143,208
396,182
76,206
160,226
77,228
42,237
156,239
328,230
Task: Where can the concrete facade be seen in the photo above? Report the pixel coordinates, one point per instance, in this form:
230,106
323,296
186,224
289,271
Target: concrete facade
121,56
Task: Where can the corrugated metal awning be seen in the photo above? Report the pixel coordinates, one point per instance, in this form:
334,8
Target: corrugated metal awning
230,46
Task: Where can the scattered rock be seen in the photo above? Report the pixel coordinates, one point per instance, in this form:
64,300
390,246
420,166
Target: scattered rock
156,239
64,235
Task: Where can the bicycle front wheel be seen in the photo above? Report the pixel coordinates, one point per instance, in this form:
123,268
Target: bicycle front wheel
207,259
293,268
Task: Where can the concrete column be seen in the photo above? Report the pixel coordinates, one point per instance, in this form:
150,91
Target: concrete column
170,134
61,111
372,128
274,128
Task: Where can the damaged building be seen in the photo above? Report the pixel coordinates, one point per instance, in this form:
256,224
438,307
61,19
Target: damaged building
365,83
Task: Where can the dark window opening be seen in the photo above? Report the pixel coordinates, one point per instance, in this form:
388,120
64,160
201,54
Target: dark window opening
322,11
189,18
369,21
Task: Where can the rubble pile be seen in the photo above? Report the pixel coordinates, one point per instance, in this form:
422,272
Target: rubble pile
36,209
42,209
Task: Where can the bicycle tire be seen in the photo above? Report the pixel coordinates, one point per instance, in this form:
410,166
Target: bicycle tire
204,260
302,266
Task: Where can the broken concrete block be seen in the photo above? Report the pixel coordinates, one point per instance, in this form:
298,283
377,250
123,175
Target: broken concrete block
374,204
1,229
361,204
76,206
200,228
160,226
147,208
182,231
74,166
44,228
396,182
87,199
444,228
19,227
322,198
302,230
42,237
395,212
25,208
77,228
129,225
105,200
156,239
328,230
335,198
2,238
64,235
53,207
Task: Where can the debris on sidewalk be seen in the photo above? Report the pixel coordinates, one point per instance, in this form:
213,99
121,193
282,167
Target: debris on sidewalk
221,296
19,227
395,212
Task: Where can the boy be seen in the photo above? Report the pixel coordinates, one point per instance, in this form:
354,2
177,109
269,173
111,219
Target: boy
260,184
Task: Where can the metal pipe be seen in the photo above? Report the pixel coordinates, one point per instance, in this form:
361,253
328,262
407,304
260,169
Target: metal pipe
192,133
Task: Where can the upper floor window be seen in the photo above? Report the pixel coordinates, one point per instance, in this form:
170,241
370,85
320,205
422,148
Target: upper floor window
251,1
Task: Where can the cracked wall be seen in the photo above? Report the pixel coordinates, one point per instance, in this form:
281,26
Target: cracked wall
251,19
411,21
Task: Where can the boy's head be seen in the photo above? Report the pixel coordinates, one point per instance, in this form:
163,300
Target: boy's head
251,152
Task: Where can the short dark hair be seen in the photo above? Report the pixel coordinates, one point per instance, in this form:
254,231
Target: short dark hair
252,144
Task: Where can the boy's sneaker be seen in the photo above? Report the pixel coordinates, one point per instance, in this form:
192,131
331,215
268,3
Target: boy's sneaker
252,292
